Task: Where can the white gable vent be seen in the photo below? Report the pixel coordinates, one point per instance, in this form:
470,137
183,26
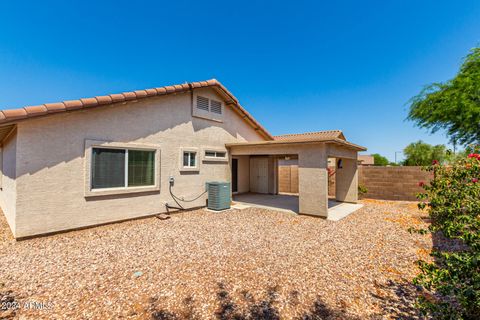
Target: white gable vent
202,103
216,106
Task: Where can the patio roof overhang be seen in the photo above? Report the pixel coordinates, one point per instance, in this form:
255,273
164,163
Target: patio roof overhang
271,143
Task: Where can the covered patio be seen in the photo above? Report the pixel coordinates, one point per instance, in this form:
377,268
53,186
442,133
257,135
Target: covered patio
289,203
255,173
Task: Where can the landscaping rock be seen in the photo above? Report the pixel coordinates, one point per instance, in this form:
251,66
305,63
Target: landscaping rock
248,263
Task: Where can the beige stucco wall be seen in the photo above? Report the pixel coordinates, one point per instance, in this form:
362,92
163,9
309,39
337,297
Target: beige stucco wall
8,192
51,160
346,181
313,182
336,151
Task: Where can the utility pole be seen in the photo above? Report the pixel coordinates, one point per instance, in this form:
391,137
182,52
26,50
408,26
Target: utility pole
396,156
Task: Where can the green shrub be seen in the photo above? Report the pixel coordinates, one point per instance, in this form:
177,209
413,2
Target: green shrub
362,190
451,284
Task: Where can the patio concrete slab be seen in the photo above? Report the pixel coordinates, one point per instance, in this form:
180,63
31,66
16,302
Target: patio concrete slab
281,202
341,209
289,203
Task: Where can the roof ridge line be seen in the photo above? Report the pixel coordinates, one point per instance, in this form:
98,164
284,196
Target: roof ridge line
310,132
33,111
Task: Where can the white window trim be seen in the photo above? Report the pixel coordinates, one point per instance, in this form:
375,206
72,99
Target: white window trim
189,160
188,168
214,159
90,144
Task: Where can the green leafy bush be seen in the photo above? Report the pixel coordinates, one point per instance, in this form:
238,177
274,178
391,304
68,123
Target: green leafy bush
451,282
362,190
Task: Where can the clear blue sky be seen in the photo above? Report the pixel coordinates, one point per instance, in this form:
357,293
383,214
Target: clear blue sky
295,65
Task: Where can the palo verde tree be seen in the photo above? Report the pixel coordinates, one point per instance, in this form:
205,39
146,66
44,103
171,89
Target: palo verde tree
453,105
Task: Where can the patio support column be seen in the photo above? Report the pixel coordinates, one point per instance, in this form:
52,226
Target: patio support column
313,182
346,184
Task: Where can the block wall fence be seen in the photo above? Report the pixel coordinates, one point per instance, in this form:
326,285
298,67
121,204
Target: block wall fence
385,183
392,183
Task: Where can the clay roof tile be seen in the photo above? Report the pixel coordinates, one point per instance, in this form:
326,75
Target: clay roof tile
73,104
15,114
170,89
12,115
55,107
161,90
151,92
104,99
311,136
140,94
212,82
129,96
89,102
36,110
117,97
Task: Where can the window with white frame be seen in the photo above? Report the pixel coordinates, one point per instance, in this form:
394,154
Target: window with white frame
119,167
215,155
189,159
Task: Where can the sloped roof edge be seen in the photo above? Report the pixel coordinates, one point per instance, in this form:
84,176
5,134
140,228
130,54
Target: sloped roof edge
28,112
303,141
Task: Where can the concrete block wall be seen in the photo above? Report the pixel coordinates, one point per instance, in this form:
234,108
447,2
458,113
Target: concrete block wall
386,183
392,183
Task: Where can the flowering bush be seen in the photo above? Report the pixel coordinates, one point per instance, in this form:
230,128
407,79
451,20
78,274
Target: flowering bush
452,282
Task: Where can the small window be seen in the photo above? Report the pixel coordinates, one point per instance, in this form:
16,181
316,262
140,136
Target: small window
209,154
189,159
115,168
216,106
202,103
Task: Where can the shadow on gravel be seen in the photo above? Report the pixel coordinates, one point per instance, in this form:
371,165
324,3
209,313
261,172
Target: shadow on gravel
251,309
397,299
187,311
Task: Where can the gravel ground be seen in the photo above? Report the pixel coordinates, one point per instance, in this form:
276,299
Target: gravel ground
240,264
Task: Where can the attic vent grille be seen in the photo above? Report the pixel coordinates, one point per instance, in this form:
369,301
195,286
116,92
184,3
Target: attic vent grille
202,103
216,106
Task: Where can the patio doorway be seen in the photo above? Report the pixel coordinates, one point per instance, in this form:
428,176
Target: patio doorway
234,175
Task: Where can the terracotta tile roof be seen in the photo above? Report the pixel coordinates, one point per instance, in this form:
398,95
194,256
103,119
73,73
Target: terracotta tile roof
329,140
311,136
15,115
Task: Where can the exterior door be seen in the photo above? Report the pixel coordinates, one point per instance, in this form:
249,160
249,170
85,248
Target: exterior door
259,175
234,175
